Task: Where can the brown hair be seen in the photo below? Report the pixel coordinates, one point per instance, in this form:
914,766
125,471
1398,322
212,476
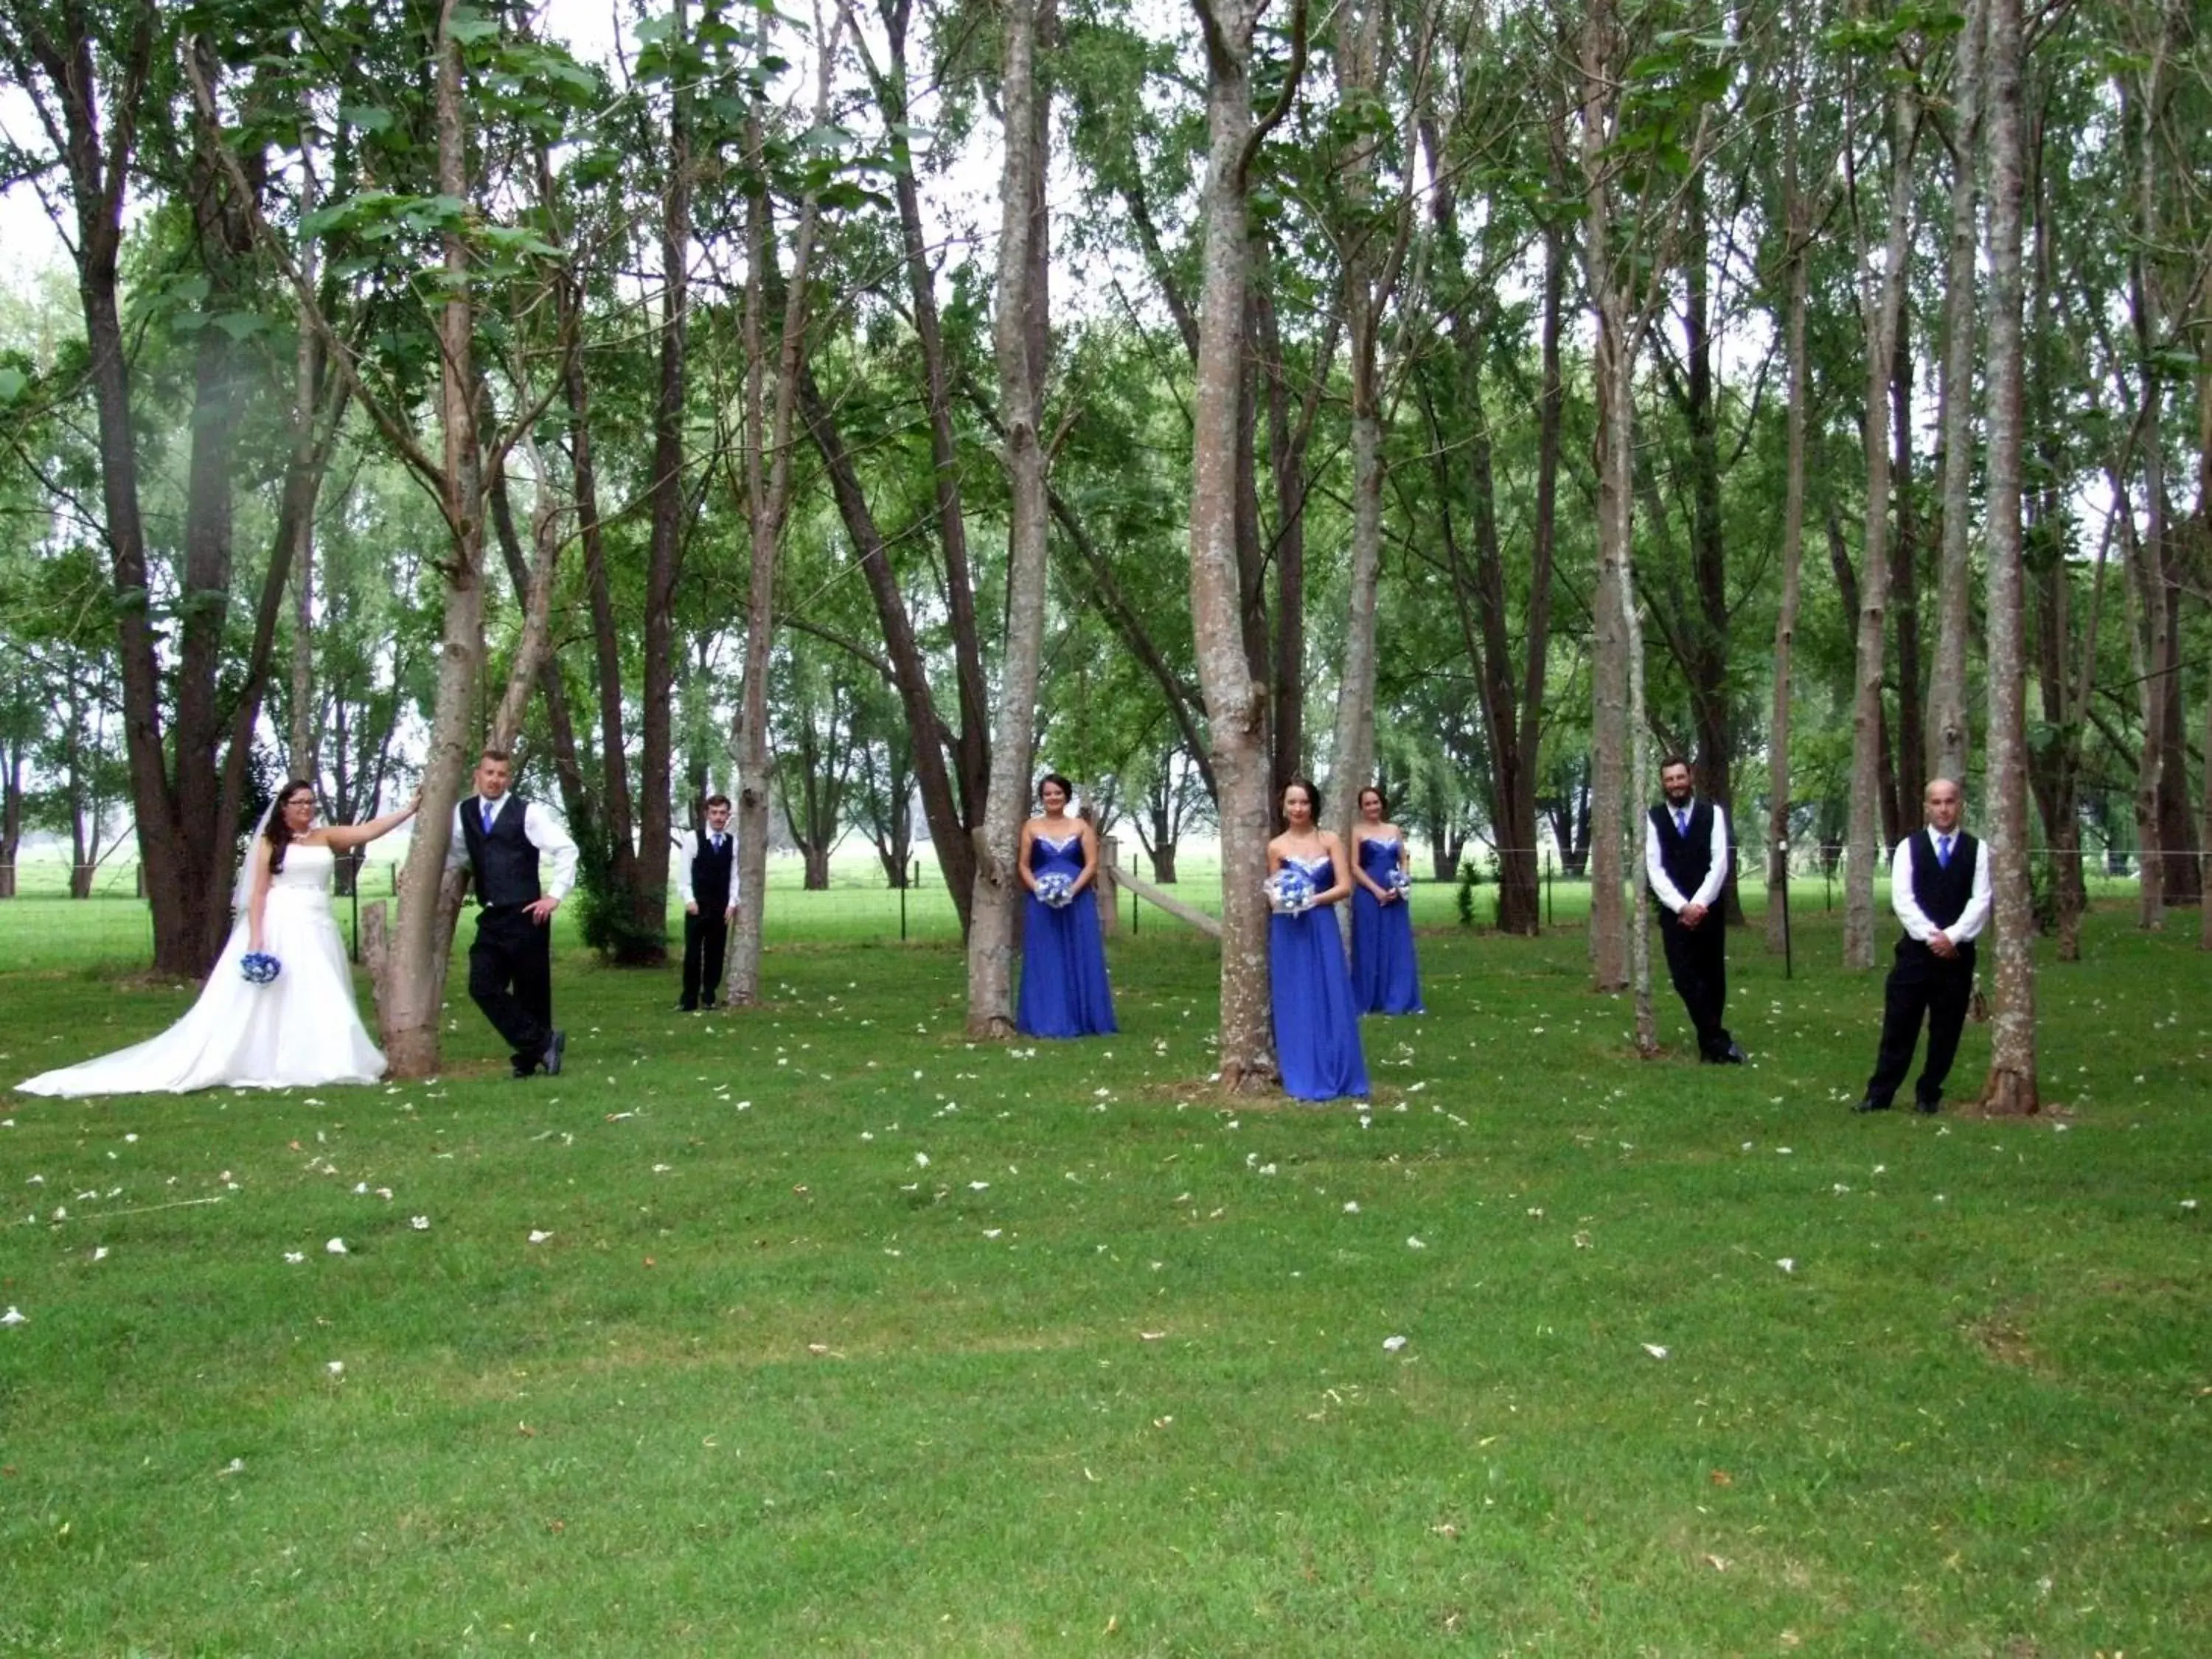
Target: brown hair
499,755
278,834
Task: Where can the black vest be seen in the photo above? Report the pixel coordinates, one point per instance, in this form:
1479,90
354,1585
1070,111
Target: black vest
1942,891
502,858
710,873
1686,858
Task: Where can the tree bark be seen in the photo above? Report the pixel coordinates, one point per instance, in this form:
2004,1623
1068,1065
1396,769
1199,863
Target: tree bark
1235,702
410,990
1883,299
768,456
1614,371
2012,1088
648,941
1023,341
1798,228
1947,733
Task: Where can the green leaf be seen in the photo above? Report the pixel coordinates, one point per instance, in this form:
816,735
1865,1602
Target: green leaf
368,117
14,383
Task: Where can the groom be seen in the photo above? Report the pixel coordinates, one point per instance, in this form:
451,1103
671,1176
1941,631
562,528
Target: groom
501,837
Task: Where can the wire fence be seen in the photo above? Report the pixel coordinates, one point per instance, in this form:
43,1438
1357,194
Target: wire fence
110,928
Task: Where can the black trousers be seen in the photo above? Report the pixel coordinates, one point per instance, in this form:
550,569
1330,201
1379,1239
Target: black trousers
1697,961
706,940
1922,986
511,979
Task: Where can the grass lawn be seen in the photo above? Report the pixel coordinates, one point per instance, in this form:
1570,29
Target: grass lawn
842,1335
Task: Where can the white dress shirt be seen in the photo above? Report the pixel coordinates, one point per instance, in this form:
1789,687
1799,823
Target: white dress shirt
687,848
1663,884
1972,919
556,853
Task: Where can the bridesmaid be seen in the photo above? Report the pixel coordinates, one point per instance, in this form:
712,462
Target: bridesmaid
1064,992
1384,979
1316,1026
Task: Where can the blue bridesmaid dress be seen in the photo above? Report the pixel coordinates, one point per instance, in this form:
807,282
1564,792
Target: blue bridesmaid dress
1063,991
1316,1026
1384,979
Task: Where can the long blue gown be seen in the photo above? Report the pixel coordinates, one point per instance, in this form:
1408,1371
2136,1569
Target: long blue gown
1064,990
1316,1026
1384,978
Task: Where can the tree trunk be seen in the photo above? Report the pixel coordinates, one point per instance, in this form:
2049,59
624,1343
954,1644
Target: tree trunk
1236,703
767,455
1711,704
1947,734
2012,1088
1883,301
648,944
1798,209
1022,337
410,989
1614,371
1911,749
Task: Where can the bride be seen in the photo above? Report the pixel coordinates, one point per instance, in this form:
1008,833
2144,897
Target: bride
300,1028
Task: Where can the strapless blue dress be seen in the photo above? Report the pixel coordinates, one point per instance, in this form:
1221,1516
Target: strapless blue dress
1316,1026
1384,978
1064,993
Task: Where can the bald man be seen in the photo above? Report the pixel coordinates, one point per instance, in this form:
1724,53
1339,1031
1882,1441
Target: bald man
1939,885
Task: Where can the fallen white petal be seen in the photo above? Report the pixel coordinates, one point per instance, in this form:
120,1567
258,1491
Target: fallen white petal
336,1368
1352,1207
1392,1344
1415,1244
336,1247
14,1316
1787,1263
421,1223
296,1257
538,1237
921,1160
1655,1351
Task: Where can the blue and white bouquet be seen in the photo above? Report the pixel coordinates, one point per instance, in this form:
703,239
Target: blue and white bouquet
1400,880
260,968
1290,891
1056,890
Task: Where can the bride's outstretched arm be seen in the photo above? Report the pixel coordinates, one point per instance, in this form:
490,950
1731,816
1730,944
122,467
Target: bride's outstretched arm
340,837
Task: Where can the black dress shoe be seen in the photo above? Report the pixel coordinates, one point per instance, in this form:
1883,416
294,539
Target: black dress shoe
708,1002
1871,1104
1734,1056
687,1008
554,1050
1927,1108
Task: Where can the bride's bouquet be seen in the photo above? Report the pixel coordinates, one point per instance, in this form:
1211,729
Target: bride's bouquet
260,968
1290,891
1056,890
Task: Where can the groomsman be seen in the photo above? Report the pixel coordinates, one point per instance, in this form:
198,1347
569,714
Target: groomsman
705,880
523,865
1939,885
1686,858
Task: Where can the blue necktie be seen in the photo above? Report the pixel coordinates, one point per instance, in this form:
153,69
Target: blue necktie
1682,824
1942,851
490,811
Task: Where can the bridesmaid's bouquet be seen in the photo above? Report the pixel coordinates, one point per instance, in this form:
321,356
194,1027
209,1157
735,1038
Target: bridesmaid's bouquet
1290,891
260,968
1056,890
1398,880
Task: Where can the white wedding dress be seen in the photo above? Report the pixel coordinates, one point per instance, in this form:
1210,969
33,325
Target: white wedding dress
301,1030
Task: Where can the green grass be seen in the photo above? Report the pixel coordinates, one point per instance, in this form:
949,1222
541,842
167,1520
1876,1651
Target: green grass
773,1385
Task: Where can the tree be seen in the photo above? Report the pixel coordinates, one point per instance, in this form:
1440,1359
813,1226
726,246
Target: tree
2012,1089
1236,704
1023,336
